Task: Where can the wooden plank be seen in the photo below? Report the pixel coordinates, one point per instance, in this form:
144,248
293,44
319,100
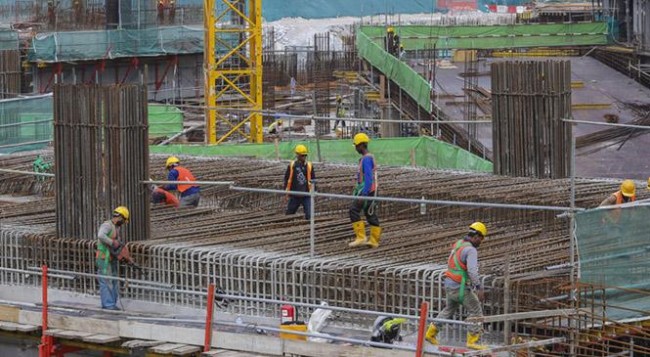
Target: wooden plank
166,348
141,344
9,313
103,339
185,350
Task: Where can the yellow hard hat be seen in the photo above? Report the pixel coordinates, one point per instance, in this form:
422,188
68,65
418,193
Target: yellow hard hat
280,122
479,227
122,211
171,161
301,149
338,97
360,138
390,29
628,188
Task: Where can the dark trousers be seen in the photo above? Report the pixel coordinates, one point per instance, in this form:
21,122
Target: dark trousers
369,209
296,201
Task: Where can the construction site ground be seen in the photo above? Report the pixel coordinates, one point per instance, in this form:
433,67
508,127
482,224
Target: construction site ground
600,89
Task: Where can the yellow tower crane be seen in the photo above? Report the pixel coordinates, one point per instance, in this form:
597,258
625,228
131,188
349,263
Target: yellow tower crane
233,69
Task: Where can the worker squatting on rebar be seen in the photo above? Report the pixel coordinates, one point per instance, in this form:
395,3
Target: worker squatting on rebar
190,194
108,236
298,177
462,271
161,196
366,186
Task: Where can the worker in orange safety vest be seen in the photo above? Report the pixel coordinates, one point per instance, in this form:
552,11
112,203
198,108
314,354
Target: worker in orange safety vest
462,272
627,193
190,194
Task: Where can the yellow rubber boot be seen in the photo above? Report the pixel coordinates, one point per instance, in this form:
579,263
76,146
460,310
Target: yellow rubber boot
472,341
432,333
375,235
360,231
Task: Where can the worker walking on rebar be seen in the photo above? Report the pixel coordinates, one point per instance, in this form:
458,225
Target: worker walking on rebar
190,194
298,177
463,285
627,193
108,238
366,187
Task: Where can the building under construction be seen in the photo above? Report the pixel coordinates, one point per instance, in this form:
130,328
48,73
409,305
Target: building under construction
525,119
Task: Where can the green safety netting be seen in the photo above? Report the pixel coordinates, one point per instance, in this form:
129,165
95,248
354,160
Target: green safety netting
26,123
87,45
424,151
614,252
8,40
399,72
164,120
495,36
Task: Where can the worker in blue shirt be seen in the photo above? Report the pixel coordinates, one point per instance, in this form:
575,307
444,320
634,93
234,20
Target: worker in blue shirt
367,187
190,194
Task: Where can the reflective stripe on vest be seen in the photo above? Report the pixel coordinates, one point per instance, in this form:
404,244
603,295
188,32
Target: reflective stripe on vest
456,269
184,175
290,180
360,176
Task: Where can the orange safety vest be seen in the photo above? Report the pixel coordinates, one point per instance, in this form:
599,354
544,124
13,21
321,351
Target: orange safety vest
290,180
184,175
453,269
102,249
619,198
170,199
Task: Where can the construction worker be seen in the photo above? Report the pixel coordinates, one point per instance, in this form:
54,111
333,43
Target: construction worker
275,127
390,34
160,195
366,187
161,11
648,183
172,11
340,112
387,329
463,285
627,193
108,236
190,194
298,177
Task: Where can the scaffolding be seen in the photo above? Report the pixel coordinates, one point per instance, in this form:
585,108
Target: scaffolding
233,68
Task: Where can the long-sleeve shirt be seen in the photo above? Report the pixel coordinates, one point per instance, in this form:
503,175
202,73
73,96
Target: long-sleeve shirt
468,256
104,233
368,169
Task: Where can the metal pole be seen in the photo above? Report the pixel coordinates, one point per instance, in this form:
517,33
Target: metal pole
45,348
572,243
208,319
424,311
312,223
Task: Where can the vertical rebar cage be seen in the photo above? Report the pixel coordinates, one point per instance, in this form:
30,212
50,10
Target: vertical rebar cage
233,69
101,154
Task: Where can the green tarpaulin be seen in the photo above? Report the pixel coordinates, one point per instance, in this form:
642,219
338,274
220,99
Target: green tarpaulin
425,151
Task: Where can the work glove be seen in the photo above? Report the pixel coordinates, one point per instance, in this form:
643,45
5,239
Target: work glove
481,295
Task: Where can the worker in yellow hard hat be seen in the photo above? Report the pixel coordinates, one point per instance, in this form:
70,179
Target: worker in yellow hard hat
275,127
190,194
108,238
463,285
366,187
298,178
340,112
627,193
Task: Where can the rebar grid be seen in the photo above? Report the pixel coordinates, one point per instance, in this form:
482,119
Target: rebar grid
244,243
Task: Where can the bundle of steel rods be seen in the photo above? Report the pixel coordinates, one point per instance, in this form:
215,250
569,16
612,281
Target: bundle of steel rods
9,74
101,155
529,99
